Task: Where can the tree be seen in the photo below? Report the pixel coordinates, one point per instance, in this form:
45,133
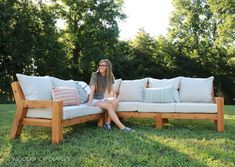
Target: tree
202,31
91,32
29,42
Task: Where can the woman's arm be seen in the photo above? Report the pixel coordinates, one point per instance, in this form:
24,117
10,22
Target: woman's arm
92,91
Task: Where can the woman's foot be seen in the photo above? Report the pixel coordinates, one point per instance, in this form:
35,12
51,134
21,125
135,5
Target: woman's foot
126,129
107,126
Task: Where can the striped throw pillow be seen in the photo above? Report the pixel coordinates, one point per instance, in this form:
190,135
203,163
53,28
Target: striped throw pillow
69,96
159,95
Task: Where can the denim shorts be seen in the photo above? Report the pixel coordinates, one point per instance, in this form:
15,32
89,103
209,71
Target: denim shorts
97,100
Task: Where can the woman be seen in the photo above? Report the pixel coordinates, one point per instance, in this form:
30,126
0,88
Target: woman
101,80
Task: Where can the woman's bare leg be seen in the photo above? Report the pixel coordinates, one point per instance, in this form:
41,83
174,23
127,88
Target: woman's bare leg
114,102
111,112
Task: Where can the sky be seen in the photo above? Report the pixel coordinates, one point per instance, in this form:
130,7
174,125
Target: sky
151,15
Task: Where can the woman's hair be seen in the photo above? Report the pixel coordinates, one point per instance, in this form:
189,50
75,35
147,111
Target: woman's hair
109,76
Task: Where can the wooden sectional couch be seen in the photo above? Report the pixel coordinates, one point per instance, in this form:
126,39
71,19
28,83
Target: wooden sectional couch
54,115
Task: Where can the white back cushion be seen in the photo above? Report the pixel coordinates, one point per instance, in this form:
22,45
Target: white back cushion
116,88
116,85
196,89
35,88
160,83
78,85
132,90
63,83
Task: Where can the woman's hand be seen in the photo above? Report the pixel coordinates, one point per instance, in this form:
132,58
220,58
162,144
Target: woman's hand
89,103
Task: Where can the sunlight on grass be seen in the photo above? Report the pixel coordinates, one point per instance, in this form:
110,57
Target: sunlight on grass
5,152
178,143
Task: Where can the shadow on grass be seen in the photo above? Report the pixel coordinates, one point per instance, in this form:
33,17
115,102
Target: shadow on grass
178,143
87,145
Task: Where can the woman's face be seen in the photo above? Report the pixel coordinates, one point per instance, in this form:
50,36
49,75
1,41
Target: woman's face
102,67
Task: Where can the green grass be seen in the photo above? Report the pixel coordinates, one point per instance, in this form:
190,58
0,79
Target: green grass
178,143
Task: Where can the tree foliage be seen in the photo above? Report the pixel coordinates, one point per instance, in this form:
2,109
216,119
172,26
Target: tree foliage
29,42
200,42
91,32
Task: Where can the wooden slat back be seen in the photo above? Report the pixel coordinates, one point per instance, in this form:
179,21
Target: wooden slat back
17,91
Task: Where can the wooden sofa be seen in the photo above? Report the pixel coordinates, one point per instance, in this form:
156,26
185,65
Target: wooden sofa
56,123
162,117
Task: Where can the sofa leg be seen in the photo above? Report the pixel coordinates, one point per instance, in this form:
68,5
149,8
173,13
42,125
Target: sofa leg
159,121
220,114
17,125
101,121
165,120
215,122
57,123
220,125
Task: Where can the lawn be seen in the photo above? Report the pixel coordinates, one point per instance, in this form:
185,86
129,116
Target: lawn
178,143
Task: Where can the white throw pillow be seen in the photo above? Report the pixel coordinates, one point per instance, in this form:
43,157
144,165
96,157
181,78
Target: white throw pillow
132,90
160,83
82,93
196,89
159,95
34,87
85,86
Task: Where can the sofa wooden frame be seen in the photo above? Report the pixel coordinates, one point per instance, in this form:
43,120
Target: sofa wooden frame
162,117
56,123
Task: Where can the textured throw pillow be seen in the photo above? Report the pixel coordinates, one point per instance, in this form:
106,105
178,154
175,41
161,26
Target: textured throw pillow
84,86
160,83
82,93
159,95
196,89
132,90
35,88
69,96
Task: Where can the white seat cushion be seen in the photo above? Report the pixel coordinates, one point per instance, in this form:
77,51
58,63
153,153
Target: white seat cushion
196,108
69,112
127,106
156,107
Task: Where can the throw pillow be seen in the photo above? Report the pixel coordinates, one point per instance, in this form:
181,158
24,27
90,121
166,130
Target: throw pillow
84,86
160,83
82,93
35,87
69,96
159,95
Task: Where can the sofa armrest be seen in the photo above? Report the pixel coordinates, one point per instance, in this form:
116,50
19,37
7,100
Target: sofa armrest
219,100
40,103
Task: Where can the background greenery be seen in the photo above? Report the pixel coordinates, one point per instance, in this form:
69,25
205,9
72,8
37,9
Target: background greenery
178,143
200,42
